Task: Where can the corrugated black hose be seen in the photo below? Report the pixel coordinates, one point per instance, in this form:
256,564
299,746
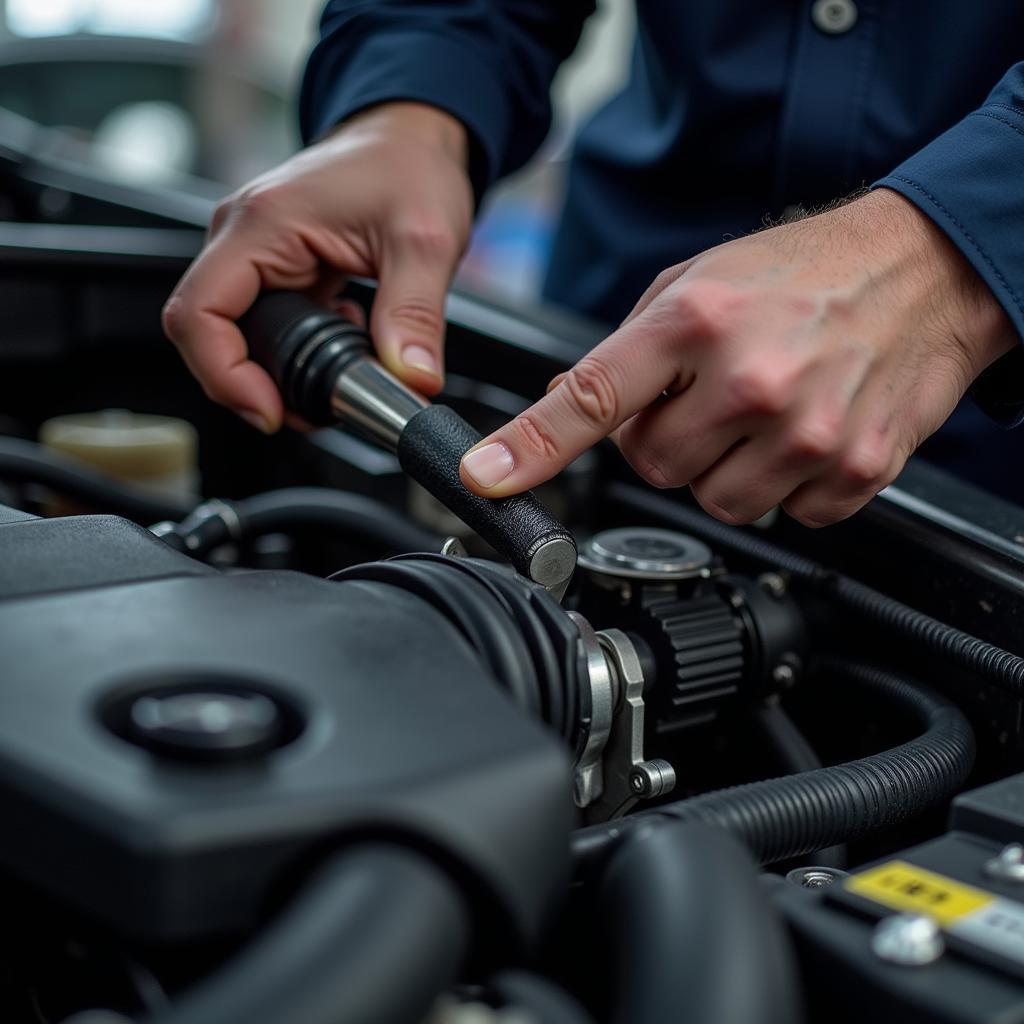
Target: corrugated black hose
995,665
778,819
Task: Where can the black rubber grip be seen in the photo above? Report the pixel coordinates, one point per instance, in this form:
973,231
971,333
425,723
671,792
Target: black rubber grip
430,450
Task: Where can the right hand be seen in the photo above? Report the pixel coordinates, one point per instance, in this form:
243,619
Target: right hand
386,195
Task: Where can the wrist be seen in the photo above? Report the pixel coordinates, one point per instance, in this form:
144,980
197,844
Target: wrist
964,307
420,122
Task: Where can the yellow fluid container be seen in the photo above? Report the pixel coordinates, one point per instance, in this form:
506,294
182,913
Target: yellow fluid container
157,453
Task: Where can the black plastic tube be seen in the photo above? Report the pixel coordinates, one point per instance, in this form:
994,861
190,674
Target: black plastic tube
290,509
997,666
693,934
795,815
26,462
374,937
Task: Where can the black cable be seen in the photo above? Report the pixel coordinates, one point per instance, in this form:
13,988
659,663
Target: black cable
692,934
788,817
26,462
997,666
373,938
291,509
543,1000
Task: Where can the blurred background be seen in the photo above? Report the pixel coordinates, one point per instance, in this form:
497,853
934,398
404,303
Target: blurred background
199,95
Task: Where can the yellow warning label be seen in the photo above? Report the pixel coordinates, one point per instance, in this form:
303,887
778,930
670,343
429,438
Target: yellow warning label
903,886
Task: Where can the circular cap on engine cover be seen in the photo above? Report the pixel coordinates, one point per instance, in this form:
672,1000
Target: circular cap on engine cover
205,724
645,553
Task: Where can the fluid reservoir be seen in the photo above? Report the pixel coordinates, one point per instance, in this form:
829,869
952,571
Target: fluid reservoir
157,453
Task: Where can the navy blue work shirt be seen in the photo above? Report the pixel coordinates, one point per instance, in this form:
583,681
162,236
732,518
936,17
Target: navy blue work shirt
734,111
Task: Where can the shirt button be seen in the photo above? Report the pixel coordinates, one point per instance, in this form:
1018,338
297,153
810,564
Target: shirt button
834,17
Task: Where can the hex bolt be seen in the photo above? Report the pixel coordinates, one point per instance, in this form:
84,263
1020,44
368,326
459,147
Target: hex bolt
815,877
773,584
1008,864
784,675
650,779
911,940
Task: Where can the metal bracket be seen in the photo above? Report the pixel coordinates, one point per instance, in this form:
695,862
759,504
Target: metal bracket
588,780
626,775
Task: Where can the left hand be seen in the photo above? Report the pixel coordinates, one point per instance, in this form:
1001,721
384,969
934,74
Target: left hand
799,366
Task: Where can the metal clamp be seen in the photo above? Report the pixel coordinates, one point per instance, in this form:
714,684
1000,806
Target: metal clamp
588,778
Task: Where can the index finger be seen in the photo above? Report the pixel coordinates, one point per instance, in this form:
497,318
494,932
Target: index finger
621,376
199,318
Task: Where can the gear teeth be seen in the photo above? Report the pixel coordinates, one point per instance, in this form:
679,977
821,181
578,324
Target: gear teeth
703,642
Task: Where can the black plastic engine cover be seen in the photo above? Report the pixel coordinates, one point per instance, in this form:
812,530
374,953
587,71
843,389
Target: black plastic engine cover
404,734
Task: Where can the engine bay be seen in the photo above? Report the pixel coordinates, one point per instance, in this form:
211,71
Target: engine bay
303,747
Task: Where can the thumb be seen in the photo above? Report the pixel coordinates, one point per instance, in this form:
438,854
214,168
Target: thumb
407,322
623,375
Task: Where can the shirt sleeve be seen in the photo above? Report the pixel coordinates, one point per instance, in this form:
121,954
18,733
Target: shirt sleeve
970,182
488,63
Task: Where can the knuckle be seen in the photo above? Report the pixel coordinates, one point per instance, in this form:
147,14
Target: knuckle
866,467
756,391
420,314
721,508
534,438
707,306
428,237
813,517
172,317
652,472
255,203
813,440
592,390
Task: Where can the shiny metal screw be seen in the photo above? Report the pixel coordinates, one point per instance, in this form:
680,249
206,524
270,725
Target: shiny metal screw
815,877
912,940
784,675
1008,864
774,584
649,779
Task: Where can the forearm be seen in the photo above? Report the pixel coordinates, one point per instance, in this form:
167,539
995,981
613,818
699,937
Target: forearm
487,64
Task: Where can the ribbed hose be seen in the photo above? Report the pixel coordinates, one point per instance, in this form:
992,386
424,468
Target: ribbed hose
26,462
997,666
792,816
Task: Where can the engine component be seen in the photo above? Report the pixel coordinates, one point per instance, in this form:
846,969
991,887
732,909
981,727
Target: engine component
323,366
709,635
795,815
927,934
98,613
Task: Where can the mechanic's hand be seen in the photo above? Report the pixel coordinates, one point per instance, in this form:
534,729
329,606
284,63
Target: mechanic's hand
801,365
386,195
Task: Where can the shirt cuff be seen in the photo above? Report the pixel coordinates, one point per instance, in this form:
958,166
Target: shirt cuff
968,182
423,66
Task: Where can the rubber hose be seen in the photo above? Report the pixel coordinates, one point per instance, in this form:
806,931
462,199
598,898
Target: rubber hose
350,516
478,615
997,666
778,819
543,1000
694,934
26,462
558,695
795,754
374,937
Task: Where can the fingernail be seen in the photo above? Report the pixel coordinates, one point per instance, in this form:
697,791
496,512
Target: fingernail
489,465
417,357
254,419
